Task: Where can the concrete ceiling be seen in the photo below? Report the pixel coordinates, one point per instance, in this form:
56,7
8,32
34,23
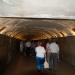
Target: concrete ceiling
35,29
64,9
43,28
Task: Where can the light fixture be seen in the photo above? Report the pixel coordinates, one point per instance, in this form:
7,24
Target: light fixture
2,30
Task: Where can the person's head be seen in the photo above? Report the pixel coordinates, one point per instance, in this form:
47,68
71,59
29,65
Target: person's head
39,43
53,40
48,40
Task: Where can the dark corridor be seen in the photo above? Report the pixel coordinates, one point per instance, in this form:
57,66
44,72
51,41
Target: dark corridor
18,64
15,30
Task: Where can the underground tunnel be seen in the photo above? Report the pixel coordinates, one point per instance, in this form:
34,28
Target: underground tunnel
15,30
23,21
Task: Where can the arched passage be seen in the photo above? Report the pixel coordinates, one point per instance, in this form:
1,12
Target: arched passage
14,30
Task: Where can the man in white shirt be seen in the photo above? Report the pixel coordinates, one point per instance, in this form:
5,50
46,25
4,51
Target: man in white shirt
53,52
40,57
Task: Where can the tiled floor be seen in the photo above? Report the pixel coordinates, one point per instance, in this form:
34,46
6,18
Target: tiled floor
26,66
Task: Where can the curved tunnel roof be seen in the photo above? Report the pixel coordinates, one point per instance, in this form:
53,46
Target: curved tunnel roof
36,29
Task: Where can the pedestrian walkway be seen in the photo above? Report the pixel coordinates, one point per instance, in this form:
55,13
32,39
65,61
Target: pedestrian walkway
26,66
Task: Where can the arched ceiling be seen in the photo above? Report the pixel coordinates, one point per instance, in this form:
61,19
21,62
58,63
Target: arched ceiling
35,29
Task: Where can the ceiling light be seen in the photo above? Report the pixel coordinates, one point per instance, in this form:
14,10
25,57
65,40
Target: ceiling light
2,30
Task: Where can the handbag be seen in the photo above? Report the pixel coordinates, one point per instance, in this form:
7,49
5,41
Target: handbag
46,65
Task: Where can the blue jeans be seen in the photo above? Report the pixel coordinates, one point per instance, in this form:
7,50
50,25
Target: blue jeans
40,63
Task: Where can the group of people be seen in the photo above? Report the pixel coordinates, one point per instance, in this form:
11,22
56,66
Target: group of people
50,53
27,48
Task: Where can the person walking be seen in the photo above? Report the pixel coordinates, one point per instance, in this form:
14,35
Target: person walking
28,48
21,47
40,57
52,55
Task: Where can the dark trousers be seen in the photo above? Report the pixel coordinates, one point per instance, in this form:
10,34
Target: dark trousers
52,60
27,51
40,63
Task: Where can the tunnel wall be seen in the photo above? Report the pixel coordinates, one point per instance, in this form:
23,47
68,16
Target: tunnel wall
67,49
4,42
8,49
